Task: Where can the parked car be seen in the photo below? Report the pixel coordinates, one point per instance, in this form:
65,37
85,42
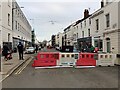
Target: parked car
30,50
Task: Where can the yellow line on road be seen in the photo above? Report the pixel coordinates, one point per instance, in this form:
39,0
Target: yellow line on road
22,68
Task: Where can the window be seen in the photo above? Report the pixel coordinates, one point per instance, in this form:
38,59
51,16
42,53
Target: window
96,43
18,13
16,25
8,19
85,23
108,44
108,1
16,10
9,3
77,27
88,32
89,21
82,33
107,20
81,24
97,24
8,37
77,35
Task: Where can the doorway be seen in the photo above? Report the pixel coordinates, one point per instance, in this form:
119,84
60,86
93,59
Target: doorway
108,44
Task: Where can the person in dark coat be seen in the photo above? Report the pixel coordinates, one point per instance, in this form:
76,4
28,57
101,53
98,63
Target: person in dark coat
5,51
36,48
20,50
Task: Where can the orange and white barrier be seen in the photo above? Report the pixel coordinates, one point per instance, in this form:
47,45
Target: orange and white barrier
46,59
86,59
79,60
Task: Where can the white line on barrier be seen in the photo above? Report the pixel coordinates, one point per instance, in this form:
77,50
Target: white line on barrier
84,66
53,67
48,67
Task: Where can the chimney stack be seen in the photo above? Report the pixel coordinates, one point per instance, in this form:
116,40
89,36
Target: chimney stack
102,3
86,13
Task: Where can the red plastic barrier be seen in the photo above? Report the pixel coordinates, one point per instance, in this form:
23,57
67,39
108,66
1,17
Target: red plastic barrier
46,59
86,59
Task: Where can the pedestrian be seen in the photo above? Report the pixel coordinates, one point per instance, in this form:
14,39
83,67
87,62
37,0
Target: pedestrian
20,51
92,49
5,51
36,48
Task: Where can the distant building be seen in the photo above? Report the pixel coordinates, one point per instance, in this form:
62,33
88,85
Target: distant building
59,40
49,43
33,37
53,40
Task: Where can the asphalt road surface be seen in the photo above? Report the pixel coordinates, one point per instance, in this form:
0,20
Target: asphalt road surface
98,77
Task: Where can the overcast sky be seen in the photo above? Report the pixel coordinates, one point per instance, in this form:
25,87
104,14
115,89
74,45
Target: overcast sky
49,17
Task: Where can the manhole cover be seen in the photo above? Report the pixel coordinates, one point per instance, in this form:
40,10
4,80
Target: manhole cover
8,63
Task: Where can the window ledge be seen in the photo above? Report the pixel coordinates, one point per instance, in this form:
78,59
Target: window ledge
96,31
107,28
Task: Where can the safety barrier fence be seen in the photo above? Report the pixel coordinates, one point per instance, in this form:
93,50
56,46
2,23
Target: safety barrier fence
68,59
86,59
45,59
106,59
57,59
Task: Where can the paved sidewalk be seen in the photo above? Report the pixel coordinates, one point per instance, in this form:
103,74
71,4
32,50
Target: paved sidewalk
7,67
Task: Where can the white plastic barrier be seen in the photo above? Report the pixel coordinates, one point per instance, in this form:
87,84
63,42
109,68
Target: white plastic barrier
67,59
106,59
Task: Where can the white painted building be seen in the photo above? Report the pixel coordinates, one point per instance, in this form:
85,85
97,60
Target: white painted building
56,40
14,26
0,23
49,43
105,27
59,39
97,28
70,35
6,22
111,27
21,27
77,30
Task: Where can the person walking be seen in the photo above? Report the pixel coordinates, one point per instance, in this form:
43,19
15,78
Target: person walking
36,48
92,49
20,51
5,51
